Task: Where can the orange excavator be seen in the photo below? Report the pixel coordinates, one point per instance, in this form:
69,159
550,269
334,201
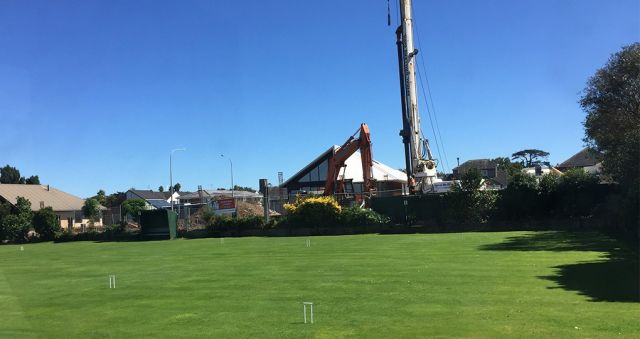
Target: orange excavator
340,156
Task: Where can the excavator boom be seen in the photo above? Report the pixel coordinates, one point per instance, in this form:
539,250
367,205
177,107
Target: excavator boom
340,156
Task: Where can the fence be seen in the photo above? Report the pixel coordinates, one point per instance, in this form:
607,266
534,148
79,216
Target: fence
112,216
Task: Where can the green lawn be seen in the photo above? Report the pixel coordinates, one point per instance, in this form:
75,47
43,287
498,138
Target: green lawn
522,284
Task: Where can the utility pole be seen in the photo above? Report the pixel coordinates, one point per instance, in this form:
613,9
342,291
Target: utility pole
231,164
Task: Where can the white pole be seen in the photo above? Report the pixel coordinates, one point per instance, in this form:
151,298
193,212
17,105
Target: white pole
171,173
304,312
412,104
311,313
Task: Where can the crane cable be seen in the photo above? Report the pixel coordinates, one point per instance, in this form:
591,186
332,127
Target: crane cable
433,108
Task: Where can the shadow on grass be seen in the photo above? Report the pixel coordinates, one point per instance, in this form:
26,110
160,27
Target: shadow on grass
614,279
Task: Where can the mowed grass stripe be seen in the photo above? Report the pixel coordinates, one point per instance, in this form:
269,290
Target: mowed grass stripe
436,285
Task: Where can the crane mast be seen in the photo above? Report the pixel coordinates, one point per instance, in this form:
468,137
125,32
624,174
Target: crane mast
421,172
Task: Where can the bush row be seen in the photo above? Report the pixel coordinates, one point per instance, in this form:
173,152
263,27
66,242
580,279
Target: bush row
574,195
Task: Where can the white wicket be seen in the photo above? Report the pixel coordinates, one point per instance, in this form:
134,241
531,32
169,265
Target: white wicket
304,310
308,243
112,281
222,241
22,248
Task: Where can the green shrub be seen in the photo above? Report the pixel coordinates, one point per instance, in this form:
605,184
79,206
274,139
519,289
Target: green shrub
520,199
45,223
578,193
356,217
220,223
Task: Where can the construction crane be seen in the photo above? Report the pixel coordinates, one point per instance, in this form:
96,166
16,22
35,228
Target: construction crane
420,165
340,155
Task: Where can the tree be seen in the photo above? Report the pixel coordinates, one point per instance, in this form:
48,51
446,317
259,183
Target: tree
505,164
176,187
471,180
133,207
45,223
161,189
115,199
33,180
101,197
530,157
611,100
469,203
91,210
16,225
9,175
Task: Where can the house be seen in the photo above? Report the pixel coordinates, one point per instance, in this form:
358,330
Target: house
585,159
66,206
153,199
540,170
312,177
495,178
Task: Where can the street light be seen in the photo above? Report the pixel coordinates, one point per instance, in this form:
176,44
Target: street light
171,172
231,164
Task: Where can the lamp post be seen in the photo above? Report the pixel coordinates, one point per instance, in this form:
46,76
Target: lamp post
230,164
171,172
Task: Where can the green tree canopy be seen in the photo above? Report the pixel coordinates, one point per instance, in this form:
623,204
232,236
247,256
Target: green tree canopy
9,175
470,181
101,197
530,157
16,225
33,180
176,187
611,100
161,188
115,199
91,209
45,223
133,207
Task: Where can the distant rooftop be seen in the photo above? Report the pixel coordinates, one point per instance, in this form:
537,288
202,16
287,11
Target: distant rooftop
584,158
49,196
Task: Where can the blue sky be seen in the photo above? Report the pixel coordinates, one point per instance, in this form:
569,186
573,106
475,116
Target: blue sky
94,94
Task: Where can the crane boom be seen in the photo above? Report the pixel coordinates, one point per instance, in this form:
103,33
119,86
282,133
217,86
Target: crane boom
421,172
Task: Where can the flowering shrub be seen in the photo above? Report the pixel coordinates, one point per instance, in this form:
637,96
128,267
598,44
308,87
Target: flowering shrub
314,211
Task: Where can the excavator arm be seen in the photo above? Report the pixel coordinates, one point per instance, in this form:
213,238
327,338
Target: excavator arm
338,159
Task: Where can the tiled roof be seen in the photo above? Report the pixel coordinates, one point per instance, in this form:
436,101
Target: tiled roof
477,163
584,158
49,196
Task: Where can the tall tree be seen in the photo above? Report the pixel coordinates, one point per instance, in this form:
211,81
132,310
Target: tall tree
176,187
611,100
161,188
9,175
530,157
